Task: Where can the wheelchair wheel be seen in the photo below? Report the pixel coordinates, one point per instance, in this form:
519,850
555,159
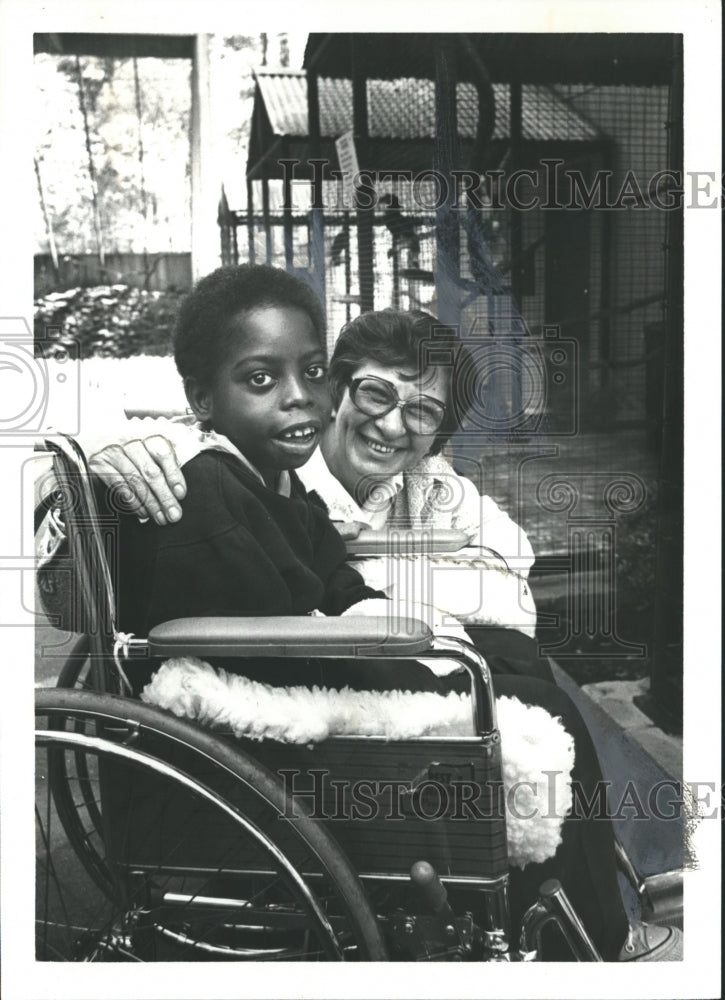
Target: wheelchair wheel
69,779
202,857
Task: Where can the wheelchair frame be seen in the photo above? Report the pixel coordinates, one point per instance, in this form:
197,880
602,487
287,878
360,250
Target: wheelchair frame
90,736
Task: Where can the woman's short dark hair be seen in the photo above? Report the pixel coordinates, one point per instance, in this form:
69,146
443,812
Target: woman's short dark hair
201,334
415,339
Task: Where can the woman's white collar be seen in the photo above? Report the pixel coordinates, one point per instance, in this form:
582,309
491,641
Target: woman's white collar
315,475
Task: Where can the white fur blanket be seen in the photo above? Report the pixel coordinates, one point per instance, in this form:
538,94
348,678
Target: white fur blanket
533,742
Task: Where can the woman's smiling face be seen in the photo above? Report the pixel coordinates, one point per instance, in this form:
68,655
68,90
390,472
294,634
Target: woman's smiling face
360,449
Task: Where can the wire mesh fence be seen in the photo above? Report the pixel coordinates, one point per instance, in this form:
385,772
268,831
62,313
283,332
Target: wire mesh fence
530,207
587,256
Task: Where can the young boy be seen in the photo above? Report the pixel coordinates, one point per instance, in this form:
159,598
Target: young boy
249,345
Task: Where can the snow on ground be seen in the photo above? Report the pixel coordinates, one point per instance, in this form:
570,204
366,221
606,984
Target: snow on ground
138,385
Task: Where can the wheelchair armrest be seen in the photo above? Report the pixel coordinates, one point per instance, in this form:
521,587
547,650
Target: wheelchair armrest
291,636
406,542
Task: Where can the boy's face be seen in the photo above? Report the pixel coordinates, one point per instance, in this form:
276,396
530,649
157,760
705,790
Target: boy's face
270,395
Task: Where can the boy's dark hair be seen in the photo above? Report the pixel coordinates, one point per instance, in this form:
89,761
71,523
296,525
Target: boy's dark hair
202,326
413,339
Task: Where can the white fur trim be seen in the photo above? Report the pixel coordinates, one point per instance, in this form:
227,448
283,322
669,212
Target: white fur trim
532,740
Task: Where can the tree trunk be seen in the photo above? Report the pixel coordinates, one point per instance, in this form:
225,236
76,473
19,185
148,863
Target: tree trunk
91,167
48,222
144,196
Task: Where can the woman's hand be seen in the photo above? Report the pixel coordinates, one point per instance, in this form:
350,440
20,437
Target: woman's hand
150,472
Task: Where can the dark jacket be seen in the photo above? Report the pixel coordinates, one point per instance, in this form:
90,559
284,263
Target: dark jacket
239,549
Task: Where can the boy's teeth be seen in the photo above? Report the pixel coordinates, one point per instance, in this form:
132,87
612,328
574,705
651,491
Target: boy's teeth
300,433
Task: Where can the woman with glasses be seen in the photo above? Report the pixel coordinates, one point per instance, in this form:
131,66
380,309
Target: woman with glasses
401,383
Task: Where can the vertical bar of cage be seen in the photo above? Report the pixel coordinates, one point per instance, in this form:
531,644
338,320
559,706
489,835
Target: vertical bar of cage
267,222
446,157
348,264
605,284
288,223
365,240
516,232
250,221
666,669
317,222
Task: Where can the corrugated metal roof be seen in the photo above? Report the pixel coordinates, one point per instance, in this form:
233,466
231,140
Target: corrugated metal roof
405,109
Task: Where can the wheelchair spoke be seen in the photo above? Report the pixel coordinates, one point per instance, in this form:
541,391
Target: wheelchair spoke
161,853
44,832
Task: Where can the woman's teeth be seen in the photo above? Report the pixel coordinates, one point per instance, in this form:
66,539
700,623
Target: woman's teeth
382,449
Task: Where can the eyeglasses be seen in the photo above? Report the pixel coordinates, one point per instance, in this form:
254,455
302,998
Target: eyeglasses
375,397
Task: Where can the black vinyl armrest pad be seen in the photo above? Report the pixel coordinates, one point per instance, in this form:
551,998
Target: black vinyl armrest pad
291,636
406,542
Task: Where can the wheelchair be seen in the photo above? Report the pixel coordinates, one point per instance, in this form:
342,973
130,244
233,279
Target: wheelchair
160,840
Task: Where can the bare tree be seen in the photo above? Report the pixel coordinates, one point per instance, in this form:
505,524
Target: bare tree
91,166
147,270
48,221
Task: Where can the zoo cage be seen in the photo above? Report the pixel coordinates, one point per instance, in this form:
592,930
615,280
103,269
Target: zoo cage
524,188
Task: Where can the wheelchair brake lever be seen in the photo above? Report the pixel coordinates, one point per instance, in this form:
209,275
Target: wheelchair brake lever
437,934
432,892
